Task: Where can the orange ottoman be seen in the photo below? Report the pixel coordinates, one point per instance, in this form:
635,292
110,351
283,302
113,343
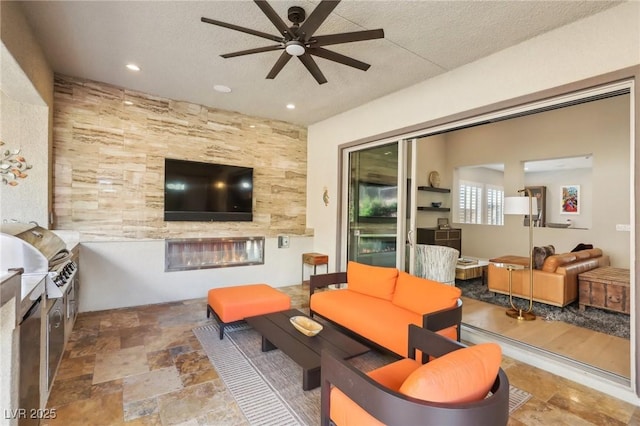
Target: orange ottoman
232,304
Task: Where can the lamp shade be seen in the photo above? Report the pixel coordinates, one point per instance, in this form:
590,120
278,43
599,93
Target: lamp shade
519,205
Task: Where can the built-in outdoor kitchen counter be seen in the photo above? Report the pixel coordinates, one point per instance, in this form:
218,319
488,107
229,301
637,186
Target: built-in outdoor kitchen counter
21,338
10,289
38,293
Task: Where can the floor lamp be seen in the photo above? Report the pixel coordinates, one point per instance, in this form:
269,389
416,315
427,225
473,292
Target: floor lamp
522,206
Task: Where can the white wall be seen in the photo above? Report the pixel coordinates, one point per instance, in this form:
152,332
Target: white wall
26,79
596,45
600,129
117,274
430,157
24,126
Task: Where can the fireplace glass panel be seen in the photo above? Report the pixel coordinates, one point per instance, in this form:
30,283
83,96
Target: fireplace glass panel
202,253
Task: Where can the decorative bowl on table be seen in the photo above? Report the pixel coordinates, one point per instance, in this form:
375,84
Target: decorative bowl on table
436,205
306,326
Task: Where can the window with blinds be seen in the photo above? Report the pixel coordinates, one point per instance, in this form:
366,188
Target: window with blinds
470,202
480,203
495,205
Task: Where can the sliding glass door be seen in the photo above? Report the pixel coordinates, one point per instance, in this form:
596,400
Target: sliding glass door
376,216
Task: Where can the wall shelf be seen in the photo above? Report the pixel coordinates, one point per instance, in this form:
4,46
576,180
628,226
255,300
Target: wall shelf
432,189
434,209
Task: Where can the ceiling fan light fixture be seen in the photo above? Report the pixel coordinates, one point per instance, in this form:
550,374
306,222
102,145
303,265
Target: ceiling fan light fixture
295,48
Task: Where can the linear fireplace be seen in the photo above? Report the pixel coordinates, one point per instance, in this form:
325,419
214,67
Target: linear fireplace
201,253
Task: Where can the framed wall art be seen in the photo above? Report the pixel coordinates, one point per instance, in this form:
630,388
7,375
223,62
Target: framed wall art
570,201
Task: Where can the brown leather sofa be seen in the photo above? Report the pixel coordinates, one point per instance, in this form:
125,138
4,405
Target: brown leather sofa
556,283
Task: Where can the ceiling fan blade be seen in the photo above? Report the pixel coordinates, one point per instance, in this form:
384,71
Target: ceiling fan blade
280,63
251,51
313,68
274,18
243,29
337,57
325,40
317,17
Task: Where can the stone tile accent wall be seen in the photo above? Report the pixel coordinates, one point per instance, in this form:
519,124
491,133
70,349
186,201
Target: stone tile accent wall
109,160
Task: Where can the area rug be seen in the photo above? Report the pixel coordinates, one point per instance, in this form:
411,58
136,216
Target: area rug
608,322
268,385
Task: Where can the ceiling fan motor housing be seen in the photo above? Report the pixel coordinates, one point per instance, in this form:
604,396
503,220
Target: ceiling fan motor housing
296,14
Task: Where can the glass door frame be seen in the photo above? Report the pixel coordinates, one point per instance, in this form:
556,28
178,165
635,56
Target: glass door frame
401,220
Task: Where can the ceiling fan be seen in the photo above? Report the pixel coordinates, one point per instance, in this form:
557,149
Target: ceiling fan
298,40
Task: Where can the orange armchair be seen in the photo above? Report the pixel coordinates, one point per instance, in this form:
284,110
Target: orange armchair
459,386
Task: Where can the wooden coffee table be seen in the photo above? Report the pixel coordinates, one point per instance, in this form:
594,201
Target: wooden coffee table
278,332
478,269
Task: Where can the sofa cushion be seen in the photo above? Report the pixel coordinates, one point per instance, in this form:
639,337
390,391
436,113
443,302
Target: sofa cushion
423,296
595,252
393,375
373,318
373,281
345,412
552,262
540,254
464,375
582,254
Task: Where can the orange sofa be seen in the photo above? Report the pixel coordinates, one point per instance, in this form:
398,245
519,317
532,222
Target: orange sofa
379,304
556,283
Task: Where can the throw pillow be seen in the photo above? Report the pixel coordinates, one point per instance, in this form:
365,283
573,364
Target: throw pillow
582,246
540,254
376,281
464,375
423,296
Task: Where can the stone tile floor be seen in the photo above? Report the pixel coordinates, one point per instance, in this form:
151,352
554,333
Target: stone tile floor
144,366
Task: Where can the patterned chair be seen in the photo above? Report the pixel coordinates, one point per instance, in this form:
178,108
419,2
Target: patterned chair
437,263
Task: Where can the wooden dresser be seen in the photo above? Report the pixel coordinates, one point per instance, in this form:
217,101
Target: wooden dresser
605,288
451,237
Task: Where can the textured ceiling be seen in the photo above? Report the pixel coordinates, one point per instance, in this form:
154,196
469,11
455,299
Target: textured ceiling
180,56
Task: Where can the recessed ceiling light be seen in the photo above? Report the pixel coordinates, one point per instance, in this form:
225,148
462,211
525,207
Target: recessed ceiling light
128,103
222,88
291,106
253,126
133,67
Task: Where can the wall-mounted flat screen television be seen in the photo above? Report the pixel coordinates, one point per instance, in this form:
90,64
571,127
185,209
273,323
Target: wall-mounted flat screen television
195,191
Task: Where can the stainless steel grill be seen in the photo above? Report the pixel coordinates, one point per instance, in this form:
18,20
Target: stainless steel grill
36,250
